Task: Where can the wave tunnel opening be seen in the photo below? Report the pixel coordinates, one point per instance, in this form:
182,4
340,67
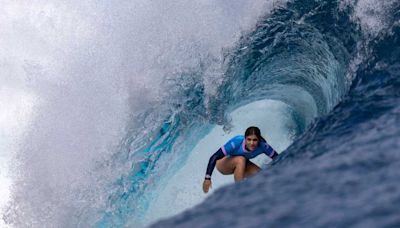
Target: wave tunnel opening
183,188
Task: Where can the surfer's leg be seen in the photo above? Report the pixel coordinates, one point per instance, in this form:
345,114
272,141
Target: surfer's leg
251,169
235,165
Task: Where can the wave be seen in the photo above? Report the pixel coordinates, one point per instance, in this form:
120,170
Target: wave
341,170
289,57
171,89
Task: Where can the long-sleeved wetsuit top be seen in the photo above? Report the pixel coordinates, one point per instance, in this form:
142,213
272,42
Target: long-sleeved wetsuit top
237,147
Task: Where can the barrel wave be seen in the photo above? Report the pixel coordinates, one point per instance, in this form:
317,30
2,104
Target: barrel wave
330,70
341,171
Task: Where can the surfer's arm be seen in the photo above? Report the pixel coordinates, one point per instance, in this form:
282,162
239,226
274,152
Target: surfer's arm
270,152
274,154
212,162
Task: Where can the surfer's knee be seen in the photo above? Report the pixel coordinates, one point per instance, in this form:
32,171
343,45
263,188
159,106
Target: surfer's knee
239,160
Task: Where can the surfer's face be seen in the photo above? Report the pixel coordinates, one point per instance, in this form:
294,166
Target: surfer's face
251,142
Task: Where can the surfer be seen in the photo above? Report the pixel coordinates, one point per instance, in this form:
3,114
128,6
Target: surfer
233,157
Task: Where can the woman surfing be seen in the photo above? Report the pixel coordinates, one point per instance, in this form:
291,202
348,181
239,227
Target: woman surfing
233,157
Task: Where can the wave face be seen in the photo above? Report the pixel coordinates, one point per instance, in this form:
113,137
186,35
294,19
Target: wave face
342,171
136,91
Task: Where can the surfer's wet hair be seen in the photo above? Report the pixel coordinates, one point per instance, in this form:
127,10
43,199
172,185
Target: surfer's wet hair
254,131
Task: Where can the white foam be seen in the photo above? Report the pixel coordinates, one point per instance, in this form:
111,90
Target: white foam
372,15
15,113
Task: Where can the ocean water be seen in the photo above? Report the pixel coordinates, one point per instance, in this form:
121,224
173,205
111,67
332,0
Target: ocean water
110,112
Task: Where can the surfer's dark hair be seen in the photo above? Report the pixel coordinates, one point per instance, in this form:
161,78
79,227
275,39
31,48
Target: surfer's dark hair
254,131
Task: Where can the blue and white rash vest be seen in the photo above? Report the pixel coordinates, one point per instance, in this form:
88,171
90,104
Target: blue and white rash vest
237,147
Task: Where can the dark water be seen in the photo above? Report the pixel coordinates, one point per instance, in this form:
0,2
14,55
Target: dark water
343,169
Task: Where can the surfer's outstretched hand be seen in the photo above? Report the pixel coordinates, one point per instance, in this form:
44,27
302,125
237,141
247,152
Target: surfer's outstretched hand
206,185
